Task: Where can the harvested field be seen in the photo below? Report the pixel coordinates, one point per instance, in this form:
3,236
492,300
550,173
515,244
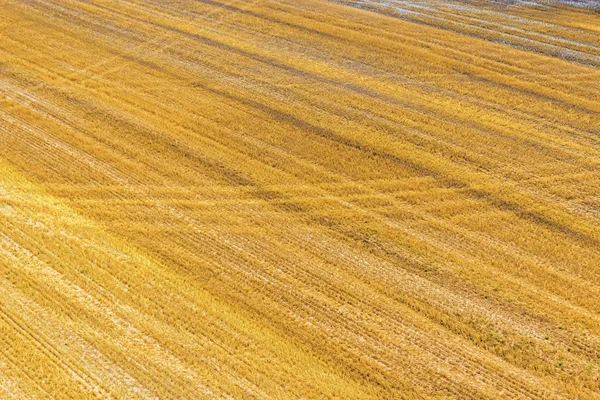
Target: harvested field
316,199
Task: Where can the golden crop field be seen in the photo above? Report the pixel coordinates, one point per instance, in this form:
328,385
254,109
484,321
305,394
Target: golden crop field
279,199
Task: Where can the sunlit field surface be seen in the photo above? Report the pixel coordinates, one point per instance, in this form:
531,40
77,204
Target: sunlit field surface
282,199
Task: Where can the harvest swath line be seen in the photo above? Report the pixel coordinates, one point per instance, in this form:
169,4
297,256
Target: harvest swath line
299,199
141,46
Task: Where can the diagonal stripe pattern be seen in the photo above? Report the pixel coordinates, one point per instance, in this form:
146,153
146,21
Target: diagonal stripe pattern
299,199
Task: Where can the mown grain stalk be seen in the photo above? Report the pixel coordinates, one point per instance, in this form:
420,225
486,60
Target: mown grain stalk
275,199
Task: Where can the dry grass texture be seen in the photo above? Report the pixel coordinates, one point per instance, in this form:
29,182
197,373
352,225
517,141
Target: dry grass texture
283,199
